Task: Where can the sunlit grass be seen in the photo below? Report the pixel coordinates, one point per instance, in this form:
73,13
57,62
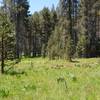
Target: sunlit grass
42,79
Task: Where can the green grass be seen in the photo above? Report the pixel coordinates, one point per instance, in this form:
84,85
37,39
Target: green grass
41,79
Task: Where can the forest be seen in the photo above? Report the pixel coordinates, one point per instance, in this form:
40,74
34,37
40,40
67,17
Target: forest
66,35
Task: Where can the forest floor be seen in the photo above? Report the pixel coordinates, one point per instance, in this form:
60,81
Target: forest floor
42,79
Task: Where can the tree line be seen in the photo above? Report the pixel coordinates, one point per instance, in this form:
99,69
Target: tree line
70,30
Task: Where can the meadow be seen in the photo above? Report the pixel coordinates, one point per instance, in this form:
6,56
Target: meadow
42,79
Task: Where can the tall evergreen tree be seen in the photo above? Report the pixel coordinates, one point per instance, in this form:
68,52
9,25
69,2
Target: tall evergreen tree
37,37
5,33
46,28
87,33
18,13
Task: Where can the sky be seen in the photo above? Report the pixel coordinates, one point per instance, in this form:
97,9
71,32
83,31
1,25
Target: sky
37,5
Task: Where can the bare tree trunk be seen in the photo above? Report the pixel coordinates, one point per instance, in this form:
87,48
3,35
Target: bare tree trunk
30,44
17,25
2,56
17,42
70,18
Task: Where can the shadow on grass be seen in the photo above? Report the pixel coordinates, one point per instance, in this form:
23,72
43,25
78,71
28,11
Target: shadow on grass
10,68
75,61
11,65
13,72
4,93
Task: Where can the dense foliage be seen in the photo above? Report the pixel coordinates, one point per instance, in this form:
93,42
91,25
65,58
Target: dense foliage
70,30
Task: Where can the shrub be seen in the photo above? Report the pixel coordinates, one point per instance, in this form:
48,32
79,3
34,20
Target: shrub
4,93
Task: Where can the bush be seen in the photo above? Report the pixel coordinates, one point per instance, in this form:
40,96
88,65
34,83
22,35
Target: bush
4,93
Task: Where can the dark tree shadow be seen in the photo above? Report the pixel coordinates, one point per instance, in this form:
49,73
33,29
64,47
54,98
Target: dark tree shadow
11,70
75,61
9,66
17,61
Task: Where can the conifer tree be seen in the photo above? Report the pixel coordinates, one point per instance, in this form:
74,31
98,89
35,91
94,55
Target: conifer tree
5,32
46,29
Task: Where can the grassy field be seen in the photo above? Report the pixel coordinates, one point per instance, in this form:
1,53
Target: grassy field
41,79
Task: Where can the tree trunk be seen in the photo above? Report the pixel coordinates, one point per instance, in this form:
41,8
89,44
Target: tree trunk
30,44
2,56
17,36
70,19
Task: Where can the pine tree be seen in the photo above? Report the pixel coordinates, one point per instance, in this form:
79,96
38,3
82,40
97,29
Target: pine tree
54,17
54,44
36,33
18,10
87,34
46,29
60,44
5,31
